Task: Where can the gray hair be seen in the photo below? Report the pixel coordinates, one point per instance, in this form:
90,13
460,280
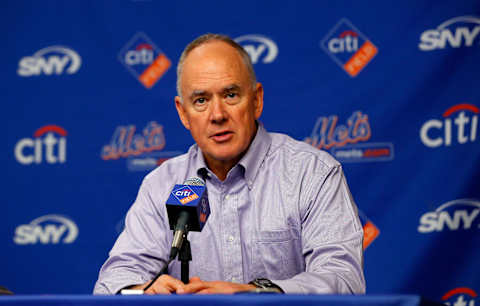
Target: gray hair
209,37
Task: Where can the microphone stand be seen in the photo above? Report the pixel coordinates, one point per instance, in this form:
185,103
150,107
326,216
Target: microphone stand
185,255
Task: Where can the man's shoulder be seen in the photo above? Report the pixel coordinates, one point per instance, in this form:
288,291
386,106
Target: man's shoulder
296,151
170,171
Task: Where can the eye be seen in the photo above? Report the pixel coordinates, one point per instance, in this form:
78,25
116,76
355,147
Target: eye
200,104
199,101
231,95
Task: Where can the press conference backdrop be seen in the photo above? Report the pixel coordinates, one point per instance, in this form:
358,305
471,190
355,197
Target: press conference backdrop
389,88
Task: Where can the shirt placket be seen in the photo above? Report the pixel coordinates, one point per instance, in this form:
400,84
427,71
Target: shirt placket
231,239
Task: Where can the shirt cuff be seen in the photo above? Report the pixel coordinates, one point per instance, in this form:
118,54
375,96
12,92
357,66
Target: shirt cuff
115,283
288,286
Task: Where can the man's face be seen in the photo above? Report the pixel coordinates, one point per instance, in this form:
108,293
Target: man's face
219,104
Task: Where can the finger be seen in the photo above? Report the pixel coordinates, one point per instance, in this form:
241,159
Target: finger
157,289
205,291
173,284
195,287
195,279
165,284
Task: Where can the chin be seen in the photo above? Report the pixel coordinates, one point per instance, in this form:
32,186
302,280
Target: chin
226,156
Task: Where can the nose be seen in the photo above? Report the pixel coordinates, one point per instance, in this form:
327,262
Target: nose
218,113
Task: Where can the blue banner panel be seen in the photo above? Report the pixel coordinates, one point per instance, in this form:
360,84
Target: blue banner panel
390,89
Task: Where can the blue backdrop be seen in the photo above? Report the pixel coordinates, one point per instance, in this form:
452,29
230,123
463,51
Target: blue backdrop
391,89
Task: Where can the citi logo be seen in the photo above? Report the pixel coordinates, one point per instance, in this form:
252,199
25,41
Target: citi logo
49,229
453,215
456,32
141,55
185,195
258,46
460,297
44,146
347,41
51,60
435,133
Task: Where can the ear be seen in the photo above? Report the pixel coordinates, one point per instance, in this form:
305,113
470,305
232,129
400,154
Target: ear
258,100
182,113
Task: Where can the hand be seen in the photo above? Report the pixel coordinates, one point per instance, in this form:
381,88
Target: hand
196,285
165,284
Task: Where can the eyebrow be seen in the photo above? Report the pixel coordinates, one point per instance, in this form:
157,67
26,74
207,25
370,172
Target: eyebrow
197,93
227,89
230,88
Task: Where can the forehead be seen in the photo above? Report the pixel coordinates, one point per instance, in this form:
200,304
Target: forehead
213,64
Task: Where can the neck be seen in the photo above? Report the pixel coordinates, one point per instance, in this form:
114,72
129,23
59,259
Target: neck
220,167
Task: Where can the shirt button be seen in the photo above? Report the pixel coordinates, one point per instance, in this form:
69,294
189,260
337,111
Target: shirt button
230,238
227,197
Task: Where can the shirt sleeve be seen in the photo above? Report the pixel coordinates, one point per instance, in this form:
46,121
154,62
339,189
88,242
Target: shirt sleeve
138,253
332,240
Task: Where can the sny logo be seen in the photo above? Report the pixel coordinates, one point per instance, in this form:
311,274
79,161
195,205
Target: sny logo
144,60
28,150
456,32
257,45
435,133
47,229
348,47
454,215
185,195
50,60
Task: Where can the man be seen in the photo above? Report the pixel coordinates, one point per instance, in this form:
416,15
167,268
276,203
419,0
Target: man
281,212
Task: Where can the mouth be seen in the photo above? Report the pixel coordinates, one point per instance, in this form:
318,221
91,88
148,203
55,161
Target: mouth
222,136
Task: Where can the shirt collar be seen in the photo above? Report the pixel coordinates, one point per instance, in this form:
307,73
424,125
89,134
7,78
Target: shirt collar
251,161
256,154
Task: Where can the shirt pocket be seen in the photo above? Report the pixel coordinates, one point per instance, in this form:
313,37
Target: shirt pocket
277,254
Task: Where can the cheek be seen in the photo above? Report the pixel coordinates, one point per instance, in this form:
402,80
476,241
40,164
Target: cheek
199,127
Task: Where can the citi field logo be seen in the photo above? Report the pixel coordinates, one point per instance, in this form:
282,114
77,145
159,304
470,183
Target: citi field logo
258,47
460,297
348,142
146,62
370,230
49,144
51,60
455,33
49,229
185,195
348,47
459,125
455,215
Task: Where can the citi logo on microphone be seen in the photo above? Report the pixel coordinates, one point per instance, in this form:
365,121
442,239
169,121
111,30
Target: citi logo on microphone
185,195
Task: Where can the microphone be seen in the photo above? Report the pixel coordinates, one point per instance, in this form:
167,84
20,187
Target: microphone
188,210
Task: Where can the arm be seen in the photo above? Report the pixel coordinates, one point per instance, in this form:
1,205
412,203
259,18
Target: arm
141,249
332,239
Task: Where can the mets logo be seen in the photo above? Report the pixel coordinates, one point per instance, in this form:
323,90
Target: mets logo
185,194
348,47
